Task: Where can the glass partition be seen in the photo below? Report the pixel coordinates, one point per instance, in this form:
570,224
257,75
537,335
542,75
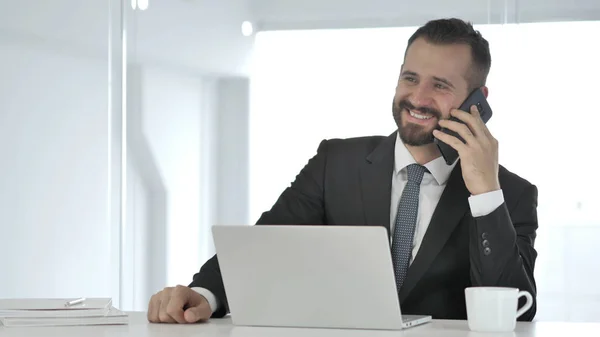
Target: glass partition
56,146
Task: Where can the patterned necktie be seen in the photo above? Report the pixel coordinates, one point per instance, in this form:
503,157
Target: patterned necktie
406,220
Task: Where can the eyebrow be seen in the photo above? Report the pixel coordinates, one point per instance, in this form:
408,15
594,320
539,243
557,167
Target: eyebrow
443,80
408,72
439,79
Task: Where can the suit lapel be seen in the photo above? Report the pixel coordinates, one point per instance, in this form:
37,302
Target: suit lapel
450,209
376,183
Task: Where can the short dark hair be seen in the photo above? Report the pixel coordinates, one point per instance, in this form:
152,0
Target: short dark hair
456,31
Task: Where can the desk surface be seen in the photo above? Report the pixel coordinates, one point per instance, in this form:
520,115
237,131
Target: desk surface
139,327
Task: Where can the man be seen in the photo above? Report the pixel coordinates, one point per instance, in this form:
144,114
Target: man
472,223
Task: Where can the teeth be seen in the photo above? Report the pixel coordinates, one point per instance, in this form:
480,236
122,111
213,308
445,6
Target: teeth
419,116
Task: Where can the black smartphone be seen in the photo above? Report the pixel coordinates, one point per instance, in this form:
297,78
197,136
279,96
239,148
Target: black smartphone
476,98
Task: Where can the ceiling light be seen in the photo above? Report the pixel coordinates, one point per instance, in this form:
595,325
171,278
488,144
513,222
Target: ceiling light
139,4
142,4
247,28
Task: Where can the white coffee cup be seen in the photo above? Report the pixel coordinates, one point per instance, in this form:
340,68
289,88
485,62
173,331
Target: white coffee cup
494,309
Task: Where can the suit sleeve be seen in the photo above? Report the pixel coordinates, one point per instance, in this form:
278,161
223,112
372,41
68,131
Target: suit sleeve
501,247
300,204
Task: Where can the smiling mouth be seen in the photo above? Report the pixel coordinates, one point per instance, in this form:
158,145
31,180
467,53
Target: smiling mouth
420,115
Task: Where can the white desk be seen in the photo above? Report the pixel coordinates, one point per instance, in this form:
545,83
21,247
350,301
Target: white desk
139,327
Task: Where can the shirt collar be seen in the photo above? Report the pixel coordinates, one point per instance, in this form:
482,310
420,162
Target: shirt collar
437,167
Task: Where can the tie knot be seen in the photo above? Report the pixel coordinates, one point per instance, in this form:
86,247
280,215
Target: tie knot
415,173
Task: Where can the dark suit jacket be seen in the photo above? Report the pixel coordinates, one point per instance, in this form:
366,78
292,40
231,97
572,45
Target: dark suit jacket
348,182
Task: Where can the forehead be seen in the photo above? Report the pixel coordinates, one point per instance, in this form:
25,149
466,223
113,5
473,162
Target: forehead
450,61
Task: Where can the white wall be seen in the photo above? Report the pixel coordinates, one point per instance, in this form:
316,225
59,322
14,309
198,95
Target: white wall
175,124
142,244
54,150
163,225
171,105
187,171
233,151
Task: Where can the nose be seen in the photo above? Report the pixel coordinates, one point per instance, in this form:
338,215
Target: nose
421,96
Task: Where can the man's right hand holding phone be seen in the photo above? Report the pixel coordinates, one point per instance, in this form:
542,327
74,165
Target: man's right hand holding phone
479,152
178,305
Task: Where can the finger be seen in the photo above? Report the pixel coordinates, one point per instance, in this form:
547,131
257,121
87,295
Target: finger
153,308
459,128
475,112
484,127
472,121
179,298
454,142
477,116
201,312
163,316
478,127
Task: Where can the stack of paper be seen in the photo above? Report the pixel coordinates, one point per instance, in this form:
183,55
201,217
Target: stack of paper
56,312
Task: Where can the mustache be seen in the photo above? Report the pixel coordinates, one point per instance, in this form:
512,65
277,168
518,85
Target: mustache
405,104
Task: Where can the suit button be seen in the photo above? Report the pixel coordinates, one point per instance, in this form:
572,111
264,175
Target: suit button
485,243
484,235
487,251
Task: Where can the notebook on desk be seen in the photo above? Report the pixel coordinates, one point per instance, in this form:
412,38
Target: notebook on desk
310,276
59,312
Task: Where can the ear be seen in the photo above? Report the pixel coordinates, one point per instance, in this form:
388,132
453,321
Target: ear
484,89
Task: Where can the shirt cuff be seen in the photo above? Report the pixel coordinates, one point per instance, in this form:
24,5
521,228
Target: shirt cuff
486,203
212,300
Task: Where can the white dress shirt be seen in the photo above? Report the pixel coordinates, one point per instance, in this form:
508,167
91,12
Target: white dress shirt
432,186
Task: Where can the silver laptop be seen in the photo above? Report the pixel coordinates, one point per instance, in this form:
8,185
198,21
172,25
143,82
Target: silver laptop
310,276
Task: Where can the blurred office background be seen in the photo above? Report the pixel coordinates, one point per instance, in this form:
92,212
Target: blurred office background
129,128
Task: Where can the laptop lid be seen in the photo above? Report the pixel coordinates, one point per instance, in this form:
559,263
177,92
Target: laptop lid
308,276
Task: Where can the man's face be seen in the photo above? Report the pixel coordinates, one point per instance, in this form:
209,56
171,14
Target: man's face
432,81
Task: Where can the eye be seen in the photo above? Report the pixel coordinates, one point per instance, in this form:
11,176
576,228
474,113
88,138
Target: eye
410,79
440,86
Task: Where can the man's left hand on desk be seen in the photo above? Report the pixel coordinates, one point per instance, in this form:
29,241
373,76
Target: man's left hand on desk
178,305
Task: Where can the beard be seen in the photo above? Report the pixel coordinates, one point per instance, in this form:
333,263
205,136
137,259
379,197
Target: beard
413,134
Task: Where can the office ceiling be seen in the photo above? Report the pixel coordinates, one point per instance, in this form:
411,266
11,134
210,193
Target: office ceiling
197,35
295,14
205,35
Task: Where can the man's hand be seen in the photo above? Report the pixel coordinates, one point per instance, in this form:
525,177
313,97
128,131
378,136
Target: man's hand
178,305
479,156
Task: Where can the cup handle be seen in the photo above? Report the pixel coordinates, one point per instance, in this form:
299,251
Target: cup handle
527,305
